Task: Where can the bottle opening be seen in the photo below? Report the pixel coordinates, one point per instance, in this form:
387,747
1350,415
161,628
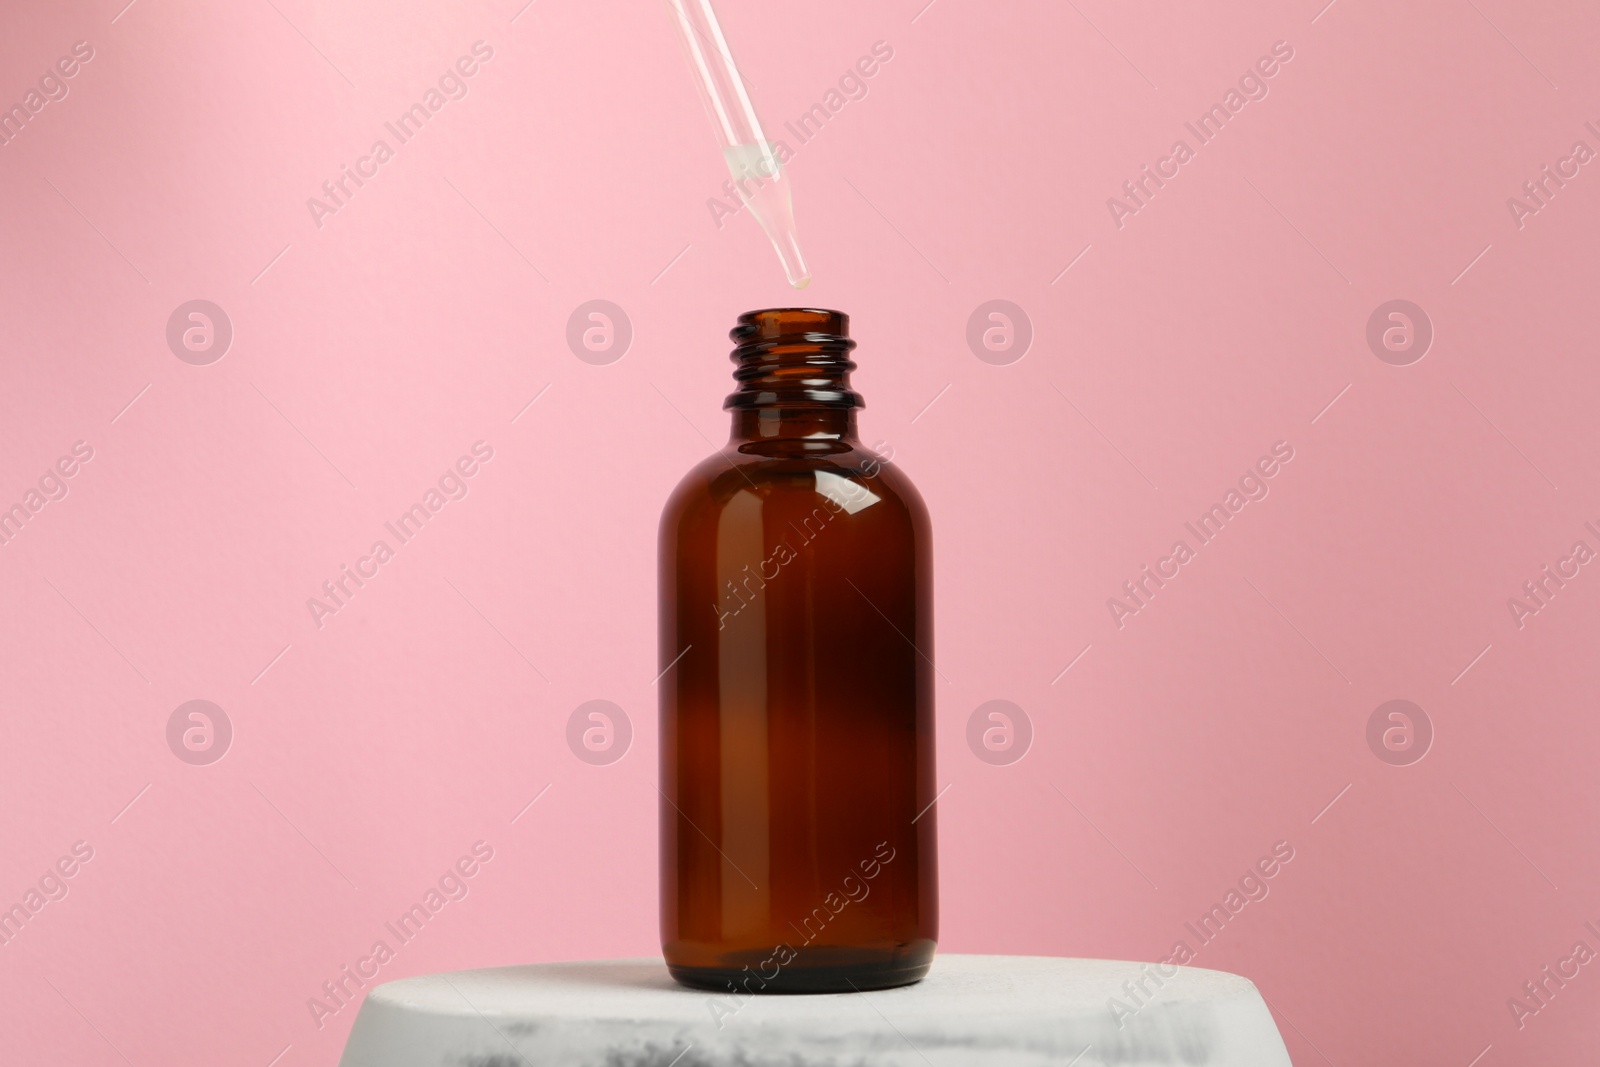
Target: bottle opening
792,358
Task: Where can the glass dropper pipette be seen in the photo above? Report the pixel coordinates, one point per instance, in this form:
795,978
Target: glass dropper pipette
757,175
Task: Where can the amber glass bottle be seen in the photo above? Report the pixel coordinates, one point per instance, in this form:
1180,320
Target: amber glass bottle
797,775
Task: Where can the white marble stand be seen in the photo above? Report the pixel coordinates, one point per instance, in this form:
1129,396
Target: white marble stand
1013,1010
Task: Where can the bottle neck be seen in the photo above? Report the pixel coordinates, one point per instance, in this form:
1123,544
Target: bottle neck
792,369
823,426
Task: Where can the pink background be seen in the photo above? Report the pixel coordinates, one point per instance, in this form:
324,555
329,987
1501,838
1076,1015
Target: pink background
369,353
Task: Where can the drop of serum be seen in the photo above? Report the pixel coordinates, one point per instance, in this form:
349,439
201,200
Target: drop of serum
762,185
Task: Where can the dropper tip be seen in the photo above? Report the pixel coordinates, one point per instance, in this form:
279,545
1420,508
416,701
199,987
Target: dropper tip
800,283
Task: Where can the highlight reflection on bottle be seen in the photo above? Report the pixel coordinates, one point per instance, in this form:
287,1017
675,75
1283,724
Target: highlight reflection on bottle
796,636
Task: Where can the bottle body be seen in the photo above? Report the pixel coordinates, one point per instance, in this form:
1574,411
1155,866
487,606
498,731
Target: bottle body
798,838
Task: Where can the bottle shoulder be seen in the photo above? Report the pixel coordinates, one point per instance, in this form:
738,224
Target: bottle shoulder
850,479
